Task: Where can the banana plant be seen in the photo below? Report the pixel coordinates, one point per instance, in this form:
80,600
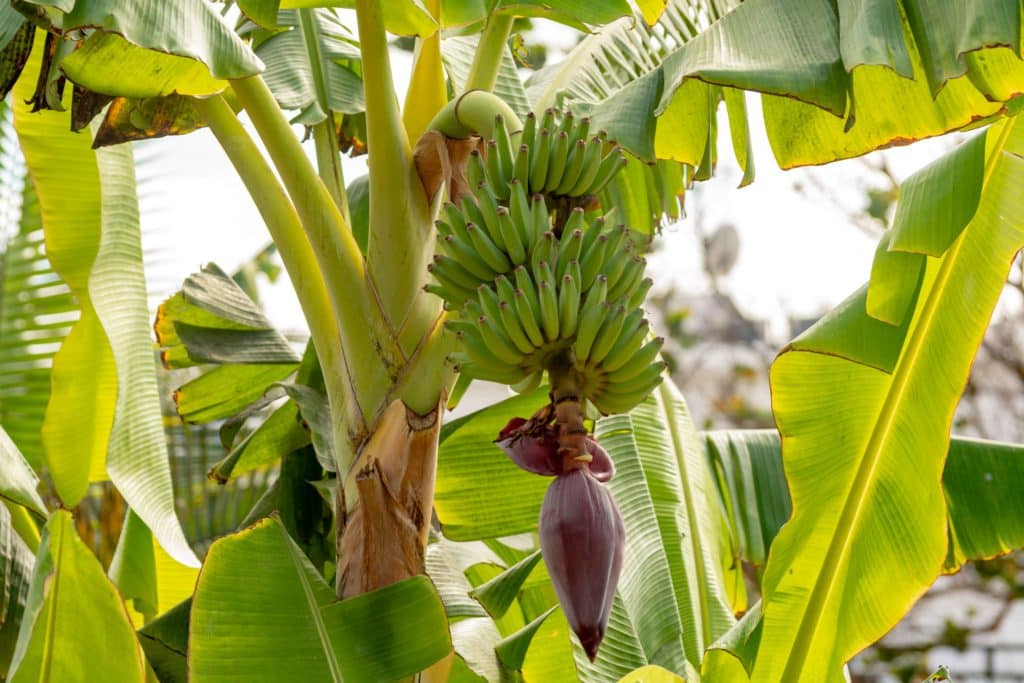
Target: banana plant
499,235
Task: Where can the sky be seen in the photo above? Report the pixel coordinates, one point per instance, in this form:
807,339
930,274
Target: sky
800,252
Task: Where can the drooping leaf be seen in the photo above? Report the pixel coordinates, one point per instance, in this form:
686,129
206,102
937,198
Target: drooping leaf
110,416
383,635
69,590
142,119
152,48
80,410
864,460
16,47
36,312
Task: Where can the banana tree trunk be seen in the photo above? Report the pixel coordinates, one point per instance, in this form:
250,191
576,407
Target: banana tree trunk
382,539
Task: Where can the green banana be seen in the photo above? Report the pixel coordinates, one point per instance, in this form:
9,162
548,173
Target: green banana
504,287
569,302
452,295
592,259
625,346
588,328
529,317
568,249
539,160
606,337
519,207
641,383
514,329
573,167
629,279
467,258
547,120
591,233
476,170
447,270
452,215
526,138
544,251
541,218
647,354
548,301
495,340
488,203
525,283
639,295
556,161
489,252
510,235
495,174
580,131
502,136
616,263
591,165
486,304
521,166
609,167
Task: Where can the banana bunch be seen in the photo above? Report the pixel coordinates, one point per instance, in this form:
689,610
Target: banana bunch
527,291
555,155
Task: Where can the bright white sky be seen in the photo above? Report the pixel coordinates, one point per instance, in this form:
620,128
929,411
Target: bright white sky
798,255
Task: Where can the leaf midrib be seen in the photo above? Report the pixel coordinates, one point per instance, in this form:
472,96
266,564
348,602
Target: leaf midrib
314,608
691,515
839,546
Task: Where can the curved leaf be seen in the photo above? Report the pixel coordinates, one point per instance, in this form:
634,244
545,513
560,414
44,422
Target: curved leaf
151,48
383,635
110,415
80,411
68,590
864,458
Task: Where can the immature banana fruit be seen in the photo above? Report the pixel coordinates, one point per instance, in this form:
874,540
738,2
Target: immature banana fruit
528,288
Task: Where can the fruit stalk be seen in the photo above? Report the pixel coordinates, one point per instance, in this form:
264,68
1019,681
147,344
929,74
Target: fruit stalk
565,396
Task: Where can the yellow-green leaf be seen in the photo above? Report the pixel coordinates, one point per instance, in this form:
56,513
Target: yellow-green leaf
75,628
864,449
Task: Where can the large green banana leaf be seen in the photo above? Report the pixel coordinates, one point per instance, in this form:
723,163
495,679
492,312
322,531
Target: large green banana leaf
104,410
832,73
380,636
75,627
864,410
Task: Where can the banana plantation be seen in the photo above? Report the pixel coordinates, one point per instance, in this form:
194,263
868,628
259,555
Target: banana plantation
189,494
